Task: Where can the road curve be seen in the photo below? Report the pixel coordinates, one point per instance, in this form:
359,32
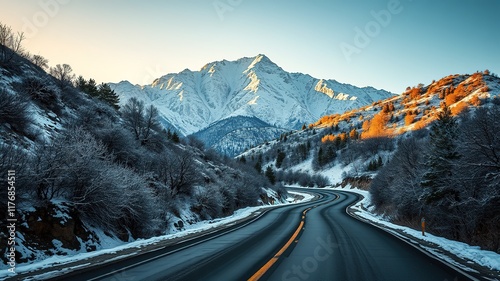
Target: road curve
310,241
335,246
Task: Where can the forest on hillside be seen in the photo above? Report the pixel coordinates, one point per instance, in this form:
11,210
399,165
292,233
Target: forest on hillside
450,176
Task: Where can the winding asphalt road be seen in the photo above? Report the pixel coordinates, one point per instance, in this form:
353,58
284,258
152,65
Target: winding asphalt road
311,241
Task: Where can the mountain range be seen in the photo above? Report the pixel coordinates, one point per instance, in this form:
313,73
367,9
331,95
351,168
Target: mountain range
251,95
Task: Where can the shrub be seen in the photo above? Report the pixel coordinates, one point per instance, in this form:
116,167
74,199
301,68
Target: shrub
14,111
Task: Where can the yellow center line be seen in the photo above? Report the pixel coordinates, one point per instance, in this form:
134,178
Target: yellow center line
274,259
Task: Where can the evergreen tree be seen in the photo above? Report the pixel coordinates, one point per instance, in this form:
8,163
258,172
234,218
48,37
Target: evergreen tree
102,92
258,166
279,159
88,87
441,155
108,95
243,160
175,137
270,175
91,88
379,162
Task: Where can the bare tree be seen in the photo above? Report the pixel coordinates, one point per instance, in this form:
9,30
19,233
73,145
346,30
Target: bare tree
142,121
10,43
40,61
63,73
179,173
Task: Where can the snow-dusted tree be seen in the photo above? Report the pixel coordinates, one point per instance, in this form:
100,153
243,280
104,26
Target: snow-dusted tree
14,111
14,159
208,201
441,155
40,90
478,179
117,199
67,165
143,121
177,172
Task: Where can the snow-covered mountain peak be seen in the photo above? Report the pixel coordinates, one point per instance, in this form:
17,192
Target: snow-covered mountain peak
190,101
254,62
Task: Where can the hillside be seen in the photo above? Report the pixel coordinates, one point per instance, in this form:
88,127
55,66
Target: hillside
379,124
85,175
191,101
432,151
236,134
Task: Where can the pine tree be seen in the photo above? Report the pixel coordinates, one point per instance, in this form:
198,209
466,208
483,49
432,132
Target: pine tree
108,95
441,155
88,87
258,166
379,162
321,160
279,159
270,175
243,160
175,137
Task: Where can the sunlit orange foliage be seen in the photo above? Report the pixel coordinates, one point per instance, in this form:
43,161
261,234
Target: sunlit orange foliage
409,119
353,134
388,107
457,95
343,137
328,138
422,123
475,101
458,108
328,120
450,99
377,127
485,89
415,93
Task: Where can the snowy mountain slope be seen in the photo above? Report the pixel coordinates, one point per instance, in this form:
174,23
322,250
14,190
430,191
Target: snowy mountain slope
415,109
233,135
254,87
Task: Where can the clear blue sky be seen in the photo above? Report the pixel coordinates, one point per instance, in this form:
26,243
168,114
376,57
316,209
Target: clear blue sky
114,40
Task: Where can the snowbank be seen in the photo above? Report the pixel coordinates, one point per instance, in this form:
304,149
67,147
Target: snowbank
117,246
464,251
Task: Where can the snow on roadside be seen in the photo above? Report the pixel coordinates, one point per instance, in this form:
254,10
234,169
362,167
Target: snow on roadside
462,250
189,229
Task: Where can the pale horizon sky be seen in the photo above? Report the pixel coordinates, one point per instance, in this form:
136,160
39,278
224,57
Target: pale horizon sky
386,44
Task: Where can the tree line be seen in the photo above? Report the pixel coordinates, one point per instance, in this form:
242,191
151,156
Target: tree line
450,176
